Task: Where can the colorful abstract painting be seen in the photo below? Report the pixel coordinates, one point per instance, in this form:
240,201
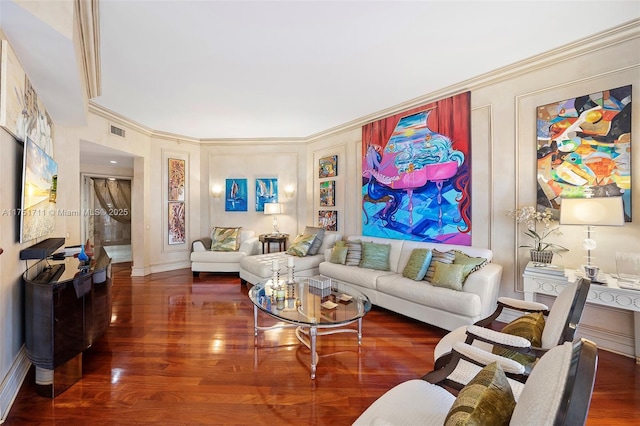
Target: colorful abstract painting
584,144
416,174
328,167
328,219
327,193
177,226
266,192
176,179
236,196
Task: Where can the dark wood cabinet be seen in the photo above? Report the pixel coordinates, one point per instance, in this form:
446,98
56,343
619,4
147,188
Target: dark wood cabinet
67,307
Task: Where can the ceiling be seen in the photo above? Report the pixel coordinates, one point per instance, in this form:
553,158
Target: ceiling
291,69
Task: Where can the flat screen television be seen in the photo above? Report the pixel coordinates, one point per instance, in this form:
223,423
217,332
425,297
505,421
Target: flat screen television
39,191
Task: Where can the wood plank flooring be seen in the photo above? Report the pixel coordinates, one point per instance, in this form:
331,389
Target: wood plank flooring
180,351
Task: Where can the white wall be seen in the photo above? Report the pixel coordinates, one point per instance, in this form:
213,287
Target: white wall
251,160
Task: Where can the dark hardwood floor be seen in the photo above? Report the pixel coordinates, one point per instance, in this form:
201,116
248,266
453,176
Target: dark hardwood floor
180,351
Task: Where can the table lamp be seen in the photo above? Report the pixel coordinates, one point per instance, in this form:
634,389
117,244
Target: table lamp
591,212
274,209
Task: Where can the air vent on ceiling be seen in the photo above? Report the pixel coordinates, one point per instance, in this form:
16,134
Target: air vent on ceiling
116,131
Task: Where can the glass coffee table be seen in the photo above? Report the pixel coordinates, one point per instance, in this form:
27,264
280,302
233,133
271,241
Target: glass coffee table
315,306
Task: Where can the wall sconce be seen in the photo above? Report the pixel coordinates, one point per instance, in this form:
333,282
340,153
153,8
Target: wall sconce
216,191
289,190
591,212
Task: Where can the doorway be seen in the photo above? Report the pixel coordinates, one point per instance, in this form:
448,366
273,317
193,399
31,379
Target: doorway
107,222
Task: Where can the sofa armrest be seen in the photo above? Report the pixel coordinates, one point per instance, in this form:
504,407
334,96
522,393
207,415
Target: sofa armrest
485,282
250,246
203,244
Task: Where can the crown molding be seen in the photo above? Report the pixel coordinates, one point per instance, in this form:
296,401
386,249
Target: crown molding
620,34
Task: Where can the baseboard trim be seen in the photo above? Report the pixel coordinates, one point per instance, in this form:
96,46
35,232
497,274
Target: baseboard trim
11,384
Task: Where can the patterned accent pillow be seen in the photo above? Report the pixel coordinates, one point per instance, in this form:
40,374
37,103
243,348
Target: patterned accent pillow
448,275
317,242
354,252
529,326
225,239
486,400
375,256
438,256
338,254
418,264
471,264
301,244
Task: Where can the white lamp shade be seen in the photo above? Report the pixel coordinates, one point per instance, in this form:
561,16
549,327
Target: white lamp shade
272,208
599,211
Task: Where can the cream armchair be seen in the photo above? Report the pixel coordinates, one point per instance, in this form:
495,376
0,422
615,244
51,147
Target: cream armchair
203,259
558,392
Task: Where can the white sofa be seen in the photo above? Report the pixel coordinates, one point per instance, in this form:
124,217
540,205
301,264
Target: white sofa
203,259
254,269
442,307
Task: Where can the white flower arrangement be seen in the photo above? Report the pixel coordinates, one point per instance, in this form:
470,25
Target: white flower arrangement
530,216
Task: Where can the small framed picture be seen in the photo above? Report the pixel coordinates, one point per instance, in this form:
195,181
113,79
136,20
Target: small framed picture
328,167
328,219
327,193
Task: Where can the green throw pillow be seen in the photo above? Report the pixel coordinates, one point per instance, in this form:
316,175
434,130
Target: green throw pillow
447,276
471,264
317,241
225,239
338,255
418,264
438,256
375,256
529,326
486,400
301,244
354,254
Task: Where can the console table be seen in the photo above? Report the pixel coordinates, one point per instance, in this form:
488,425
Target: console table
541,281
67,309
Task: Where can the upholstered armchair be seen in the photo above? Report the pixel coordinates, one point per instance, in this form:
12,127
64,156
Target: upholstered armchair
523,340
558,392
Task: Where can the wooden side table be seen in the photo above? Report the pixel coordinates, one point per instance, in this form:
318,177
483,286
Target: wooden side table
267,239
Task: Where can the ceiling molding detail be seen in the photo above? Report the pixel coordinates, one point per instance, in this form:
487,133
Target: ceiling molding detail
88,24
620,34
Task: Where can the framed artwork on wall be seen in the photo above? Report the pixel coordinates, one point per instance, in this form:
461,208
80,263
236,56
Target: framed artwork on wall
328,167
266,192
176,179
177,225
236,196
22,113
416,173
328,219
584,146
327,193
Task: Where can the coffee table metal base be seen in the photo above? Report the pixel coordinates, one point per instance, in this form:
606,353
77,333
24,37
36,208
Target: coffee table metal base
308,335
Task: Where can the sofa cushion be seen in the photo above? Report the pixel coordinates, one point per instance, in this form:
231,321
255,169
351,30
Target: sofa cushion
418,264
317,241
260,265
375,256
438,256
225,239
217,256
338,254
362,277
471,264
486,400
448,275
300,246
421,292
329,240
354,254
